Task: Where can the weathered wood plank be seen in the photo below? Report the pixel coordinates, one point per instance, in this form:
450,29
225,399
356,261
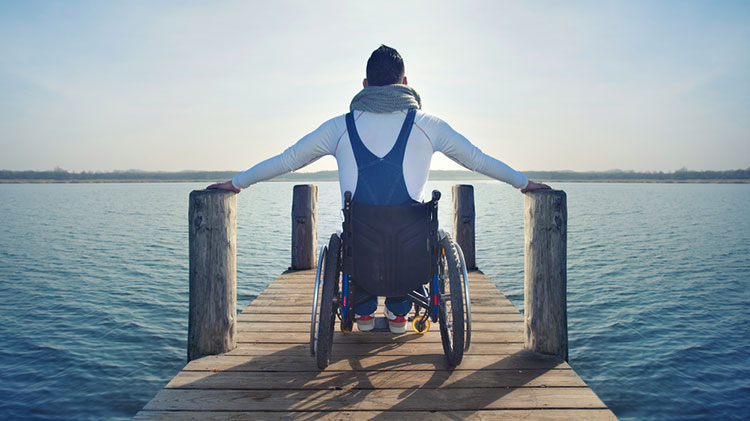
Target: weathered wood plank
515,326
352,349
476,415
303,300
305,318
376,399
307,290
373,337
307,276
433,361
303,309
324,380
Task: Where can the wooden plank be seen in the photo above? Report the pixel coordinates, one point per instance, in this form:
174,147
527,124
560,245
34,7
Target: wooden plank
376,399
324,380
475,415
308,283
301,326
304,309
282,318
373,363
304,300
295,291
373,337
353,349
307,288
307,278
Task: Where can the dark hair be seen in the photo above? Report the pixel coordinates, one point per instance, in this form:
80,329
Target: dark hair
385,67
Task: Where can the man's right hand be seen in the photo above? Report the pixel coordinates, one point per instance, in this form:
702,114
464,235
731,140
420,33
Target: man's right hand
227,185
534,186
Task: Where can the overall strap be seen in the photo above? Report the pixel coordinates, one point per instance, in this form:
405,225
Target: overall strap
364,156
396,154
380,181
361,154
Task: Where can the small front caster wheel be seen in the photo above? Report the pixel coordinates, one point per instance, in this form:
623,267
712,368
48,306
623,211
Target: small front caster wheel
421,324
346,326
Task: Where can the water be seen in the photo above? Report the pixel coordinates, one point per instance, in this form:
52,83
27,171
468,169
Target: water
93,280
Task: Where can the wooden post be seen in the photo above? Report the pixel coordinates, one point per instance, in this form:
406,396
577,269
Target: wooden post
212,326
545,272
463,222
304,226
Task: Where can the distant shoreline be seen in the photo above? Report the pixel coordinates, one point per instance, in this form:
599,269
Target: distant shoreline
300,180
136,176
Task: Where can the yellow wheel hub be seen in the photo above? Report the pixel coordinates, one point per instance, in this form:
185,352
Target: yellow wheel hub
421,321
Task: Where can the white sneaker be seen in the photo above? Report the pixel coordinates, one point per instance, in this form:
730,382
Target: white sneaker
365,323
397,324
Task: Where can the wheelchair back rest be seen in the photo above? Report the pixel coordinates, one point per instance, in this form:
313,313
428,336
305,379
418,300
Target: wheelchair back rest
390,250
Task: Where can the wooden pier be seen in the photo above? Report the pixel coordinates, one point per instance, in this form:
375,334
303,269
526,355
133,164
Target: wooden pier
267,371
374,375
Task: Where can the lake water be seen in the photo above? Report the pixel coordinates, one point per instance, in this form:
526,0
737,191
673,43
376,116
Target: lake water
94,288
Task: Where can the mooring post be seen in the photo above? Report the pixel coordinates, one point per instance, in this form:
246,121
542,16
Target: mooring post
212,326
545,272
463,222
304,226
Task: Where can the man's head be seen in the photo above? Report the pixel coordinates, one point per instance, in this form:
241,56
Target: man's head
385,67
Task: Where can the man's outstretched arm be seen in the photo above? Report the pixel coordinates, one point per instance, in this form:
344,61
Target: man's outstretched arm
456,147
320,142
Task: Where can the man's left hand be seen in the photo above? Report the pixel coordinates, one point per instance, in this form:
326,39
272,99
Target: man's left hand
535,186
227,185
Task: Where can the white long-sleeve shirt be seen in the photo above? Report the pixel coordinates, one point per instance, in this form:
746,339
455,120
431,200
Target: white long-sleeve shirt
379,132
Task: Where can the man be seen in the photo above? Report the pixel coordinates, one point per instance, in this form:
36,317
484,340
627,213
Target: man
383,149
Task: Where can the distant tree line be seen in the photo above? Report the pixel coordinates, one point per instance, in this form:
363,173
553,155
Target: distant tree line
61,175
682,174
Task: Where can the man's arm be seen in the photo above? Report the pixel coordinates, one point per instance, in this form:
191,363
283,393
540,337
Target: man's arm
456,147
316,144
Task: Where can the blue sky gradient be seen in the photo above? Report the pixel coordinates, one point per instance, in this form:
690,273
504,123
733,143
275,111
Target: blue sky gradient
175,85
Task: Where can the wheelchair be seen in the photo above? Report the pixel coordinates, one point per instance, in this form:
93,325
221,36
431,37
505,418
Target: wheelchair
392,251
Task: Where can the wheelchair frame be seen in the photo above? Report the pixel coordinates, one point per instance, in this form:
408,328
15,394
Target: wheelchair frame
447,302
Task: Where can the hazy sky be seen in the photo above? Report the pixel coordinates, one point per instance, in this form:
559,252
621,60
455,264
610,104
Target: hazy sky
176,85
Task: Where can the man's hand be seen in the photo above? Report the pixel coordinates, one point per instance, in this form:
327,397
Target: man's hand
535,186
224,186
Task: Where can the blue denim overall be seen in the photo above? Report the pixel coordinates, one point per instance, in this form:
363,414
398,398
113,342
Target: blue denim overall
380,181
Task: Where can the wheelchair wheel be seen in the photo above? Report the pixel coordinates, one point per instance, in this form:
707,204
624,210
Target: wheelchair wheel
316,299
467,296
451,313
329,302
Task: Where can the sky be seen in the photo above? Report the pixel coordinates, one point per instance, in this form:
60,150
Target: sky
220,85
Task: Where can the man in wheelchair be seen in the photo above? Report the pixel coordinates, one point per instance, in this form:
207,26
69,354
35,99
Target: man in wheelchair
383,148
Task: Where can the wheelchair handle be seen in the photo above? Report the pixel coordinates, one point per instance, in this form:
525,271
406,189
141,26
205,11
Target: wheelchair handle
436,195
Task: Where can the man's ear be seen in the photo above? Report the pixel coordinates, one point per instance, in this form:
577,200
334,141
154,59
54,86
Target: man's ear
365,83
404,82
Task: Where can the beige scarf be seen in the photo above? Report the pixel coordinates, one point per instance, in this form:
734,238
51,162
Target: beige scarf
386,99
